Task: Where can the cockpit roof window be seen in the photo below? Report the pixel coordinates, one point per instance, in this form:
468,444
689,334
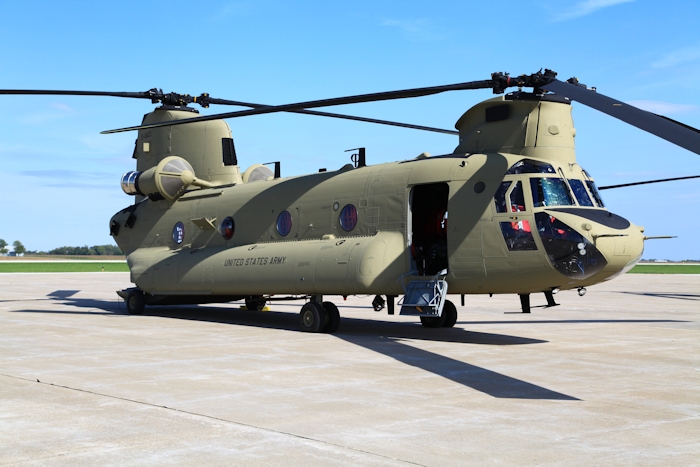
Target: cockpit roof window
529,166
550,192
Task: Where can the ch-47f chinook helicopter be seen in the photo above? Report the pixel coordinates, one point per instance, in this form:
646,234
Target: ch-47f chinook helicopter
524,216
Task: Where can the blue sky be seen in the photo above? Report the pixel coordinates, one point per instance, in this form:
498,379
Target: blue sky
61,177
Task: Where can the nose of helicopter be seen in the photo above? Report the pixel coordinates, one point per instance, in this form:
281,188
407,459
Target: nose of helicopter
590,245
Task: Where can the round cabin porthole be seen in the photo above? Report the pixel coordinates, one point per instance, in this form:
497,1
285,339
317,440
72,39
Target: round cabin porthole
479,187
227,228
179,232
348,217
284,223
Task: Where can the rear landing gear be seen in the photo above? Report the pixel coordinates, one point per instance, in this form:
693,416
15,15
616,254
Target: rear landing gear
135,303
312,317
317,317
333,315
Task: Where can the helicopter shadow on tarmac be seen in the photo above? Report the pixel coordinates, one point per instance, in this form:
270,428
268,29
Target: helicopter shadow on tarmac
385,337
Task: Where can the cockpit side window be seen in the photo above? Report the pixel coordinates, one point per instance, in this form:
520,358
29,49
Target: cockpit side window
530,166
594,191
580,193
517,198
550,192
500,197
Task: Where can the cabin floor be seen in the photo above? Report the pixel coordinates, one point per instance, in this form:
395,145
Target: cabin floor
611,378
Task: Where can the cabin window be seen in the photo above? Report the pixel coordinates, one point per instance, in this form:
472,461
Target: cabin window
530,166
284,223
580,193
348,217
550,192
596,194
227,228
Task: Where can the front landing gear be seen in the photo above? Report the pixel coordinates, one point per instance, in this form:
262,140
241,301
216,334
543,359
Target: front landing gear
316,316
446,320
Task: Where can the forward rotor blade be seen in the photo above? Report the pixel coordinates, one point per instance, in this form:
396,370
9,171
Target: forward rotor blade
647,182
379,96
138,95
677,133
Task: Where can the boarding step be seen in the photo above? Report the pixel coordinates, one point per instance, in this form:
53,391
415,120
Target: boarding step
424,297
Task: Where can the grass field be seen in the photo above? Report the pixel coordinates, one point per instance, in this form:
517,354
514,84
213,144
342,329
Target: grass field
10,266
38,266
666,269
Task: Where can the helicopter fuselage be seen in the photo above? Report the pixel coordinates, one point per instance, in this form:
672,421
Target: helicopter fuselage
368,230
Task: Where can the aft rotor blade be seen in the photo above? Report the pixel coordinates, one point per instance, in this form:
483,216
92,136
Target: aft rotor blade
677,133
379,96
647,182
342,116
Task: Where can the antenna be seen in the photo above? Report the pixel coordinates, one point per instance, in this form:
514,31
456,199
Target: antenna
358,158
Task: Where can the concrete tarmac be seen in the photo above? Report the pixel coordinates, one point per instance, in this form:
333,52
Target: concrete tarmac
611,378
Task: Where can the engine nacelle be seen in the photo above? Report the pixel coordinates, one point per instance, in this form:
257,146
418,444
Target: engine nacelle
169,179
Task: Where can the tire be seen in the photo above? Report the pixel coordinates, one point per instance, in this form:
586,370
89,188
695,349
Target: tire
333,317
312,317
135,303
449,311
432,321
255,304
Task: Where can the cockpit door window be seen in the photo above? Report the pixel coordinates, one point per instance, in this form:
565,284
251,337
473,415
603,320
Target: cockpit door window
516,198
500,197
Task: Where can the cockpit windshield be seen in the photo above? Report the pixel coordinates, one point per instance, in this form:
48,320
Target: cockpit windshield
550,192
580,193
594,191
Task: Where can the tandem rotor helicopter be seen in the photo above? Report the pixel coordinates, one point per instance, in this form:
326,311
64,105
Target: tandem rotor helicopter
509,211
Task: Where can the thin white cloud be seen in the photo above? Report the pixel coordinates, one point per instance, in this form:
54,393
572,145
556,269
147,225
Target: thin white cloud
63,107
71,178
234,9
678,57
663,108
57,111
415,29
586,7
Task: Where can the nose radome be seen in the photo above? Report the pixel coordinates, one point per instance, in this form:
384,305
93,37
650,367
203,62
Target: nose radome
622,251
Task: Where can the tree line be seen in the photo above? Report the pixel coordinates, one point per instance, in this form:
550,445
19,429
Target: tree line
96,250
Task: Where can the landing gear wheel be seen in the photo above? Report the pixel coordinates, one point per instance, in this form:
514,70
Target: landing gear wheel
135,303
449,312
312,317
432,321
255,303
333,318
